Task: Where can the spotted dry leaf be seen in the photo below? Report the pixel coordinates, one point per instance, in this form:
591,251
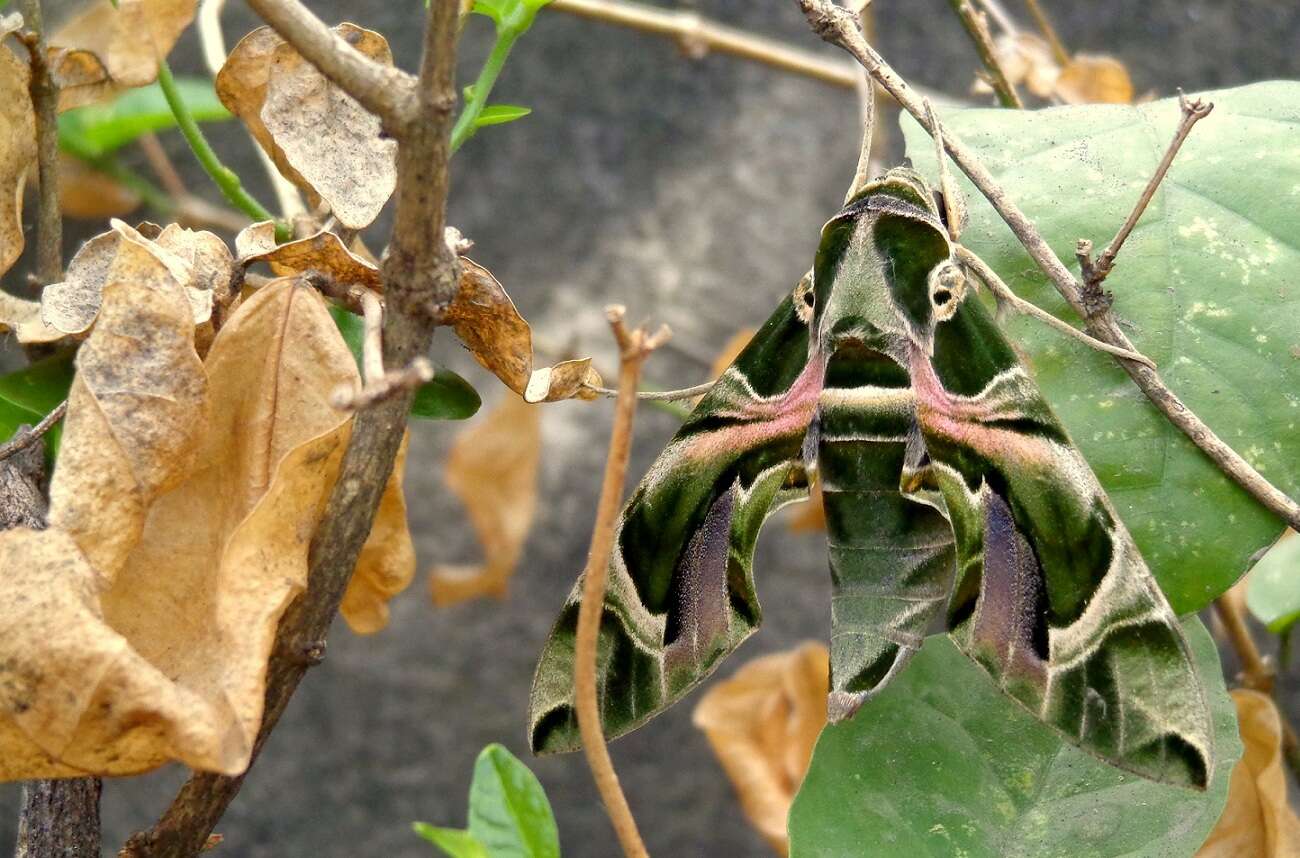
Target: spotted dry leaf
17,152
763,723
318,136
139,627
1088,79
323,252
107,47
490,326
492,468
197,260
1257,822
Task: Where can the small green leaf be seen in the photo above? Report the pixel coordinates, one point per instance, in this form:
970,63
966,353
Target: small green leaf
500,114
508,810
32,392
100,129
456,842
446,397
514,16
1273,592
943,763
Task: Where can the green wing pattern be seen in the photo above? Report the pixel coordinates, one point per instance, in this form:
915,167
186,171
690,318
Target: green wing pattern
681,589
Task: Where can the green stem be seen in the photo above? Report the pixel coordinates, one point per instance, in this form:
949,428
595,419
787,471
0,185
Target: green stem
227,180
487,77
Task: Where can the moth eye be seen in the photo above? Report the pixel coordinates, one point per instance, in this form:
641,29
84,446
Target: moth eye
947,288
809,298
804,300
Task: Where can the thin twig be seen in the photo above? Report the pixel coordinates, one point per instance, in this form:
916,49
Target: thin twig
420,270
1258,672
839,27
45,99
1049,32
387,92
657,395
383,387
372,313
698,36
23,440
162,165
1003,292
977,26
634,346
1193,111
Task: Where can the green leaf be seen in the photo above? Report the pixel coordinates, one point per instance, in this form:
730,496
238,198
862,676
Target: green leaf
500,114
508,810
1273,593
100,129
1207,283
446,397
942,763
455,842
34,391
511,15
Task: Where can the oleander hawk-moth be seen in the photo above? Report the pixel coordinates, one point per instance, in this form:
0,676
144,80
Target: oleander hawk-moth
952,494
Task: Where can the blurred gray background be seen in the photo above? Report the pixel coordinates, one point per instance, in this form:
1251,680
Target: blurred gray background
691,191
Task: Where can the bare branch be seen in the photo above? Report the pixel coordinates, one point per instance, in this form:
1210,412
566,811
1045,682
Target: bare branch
840,28
698,36
1003,293
24,439
385,91
45,100
1193,111
658,395
634,346
420,270
977,26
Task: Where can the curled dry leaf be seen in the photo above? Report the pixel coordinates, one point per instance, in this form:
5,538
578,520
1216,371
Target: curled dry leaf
319,137
323,252
109,46
139,627
1257,821
493,470
197,260
1090,79
763,723
490,326
17,151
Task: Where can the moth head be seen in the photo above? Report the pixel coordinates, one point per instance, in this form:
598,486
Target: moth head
947,289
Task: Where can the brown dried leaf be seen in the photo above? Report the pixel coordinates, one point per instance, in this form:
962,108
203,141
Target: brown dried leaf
492,468
17,152
490,326
323,252
135,410
127,41
387,561
197,260
1090,79
138,632
319,137
88,194
763,723
255,239
1257,821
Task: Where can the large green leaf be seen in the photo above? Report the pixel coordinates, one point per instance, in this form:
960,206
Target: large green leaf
1207,282
1273,594
99,129
30,393
446,397
941,763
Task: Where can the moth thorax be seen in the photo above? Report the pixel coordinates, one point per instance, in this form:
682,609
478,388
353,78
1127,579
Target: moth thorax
947,289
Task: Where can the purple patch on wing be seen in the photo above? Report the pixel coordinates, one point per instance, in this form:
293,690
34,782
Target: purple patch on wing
697,616
1008,626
